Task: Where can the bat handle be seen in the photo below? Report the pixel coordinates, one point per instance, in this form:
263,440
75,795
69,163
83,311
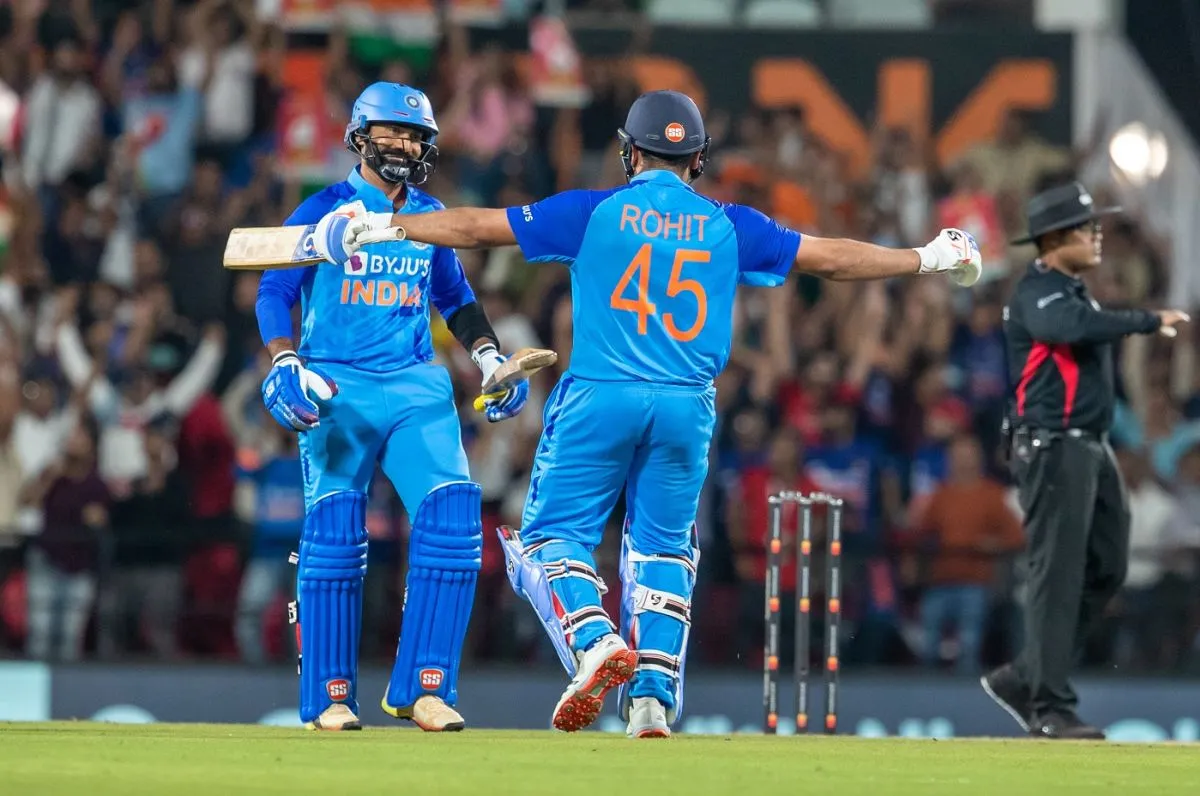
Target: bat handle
389,235
481,401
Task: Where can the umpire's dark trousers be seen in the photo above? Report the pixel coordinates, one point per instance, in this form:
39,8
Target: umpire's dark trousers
1077,531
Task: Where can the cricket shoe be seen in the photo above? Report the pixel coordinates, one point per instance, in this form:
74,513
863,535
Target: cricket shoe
429,713
1005,688
335,718
647,719
604,666
1064,724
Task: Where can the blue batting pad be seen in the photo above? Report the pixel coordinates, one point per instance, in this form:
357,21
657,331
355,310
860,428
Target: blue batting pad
444,557
329,584
559,580
656,616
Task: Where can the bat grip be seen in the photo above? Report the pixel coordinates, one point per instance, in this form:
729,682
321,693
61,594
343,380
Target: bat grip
481,401
389,235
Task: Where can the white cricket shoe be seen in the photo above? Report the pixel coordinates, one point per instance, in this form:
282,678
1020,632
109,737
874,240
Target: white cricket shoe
429,713
647,719
606,665
335,718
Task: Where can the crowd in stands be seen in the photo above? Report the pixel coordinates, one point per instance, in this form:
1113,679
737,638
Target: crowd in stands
148,504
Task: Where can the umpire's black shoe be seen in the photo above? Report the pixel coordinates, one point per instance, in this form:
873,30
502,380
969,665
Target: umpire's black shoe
1064,724
1005,688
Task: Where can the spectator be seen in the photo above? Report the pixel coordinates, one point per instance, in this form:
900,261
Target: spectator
489,115
11,470
221,47
123,409
1017,159
1177,606
747,521
162,125
43,426
967,527
141,605
62,563
278,519
62,121
1151,509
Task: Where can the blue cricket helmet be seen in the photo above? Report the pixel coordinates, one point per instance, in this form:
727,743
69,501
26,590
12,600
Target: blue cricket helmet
667,124
394,103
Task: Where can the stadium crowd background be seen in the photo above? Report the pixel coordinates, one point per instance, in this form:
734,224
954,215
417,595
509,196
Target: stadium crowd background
148,504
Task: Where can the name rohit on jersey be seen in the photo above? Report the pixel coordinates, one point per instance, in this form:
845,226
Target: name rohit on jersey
383,292
650,223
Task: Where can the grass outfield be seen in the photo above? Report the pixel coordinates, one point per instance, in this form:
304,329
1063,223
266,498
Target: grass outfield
79,758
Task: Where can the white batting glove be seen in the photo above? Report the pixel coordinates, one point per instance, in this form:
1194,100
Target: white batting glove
955,253
335,237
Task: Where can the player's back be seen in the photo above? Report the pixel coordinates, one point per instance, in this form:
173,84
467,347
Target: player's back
656,277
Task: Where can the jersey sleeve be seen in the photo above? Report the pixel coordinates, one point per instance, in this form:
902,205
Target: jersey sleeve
278,290
766,249
553,228
448,286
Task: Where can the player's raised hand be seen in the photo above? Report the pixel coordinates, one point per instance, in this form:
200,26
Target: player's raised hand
291,392
953,252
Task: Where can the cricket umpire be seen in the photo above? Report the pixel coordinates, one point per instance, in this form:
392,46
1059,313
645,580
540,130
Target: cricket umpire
1059,343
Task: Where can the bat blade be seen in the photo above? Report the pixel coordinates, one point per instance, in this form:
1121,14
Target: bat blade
520,366
269,248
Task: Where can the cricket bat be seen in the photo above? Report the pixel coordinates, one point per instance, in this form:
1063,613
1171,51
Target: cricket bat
269,248
519,367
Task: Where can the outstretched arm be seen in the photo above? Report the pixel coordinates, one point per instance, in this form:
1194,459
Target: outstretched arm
460,228
842,259
768,252
953,252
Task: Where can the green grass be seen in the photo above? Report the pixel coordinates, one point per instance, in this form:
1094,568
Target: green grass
164,759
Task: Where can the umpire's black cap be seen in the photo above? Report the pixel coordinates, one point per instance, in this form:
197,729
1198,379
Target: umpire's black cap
1062,207
665,123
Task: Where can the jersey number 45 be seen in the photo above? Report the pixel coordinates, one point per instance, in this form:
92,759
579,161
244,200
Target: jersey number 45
643,307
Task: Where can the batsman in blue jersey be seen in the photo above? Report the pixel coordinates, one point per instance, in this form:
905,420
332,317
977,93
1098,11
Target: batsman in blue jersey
654,270
362,390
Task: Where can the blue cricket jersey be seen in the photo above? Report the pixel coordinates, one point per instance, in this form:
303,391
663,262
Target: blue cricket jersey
371,314
654,271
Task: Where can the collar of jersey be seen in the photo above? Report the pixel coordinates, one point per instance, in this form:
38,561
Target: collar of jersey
660,175
1044,270
372,197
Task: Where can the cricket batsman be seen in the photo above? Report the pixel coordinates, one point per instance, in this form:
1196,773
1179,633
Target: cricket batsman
361,390
654,270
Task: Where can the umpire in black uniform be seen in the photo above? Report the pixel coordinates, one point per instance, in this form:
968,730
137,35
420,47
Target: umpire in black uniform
1075,504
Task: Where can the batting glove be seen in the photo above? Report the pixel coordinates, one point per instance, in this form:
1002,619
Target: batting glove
500,405
335,237
953,252
290,389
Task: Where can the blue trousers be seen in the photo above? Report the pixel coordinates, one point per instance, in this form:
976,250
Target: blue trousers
601,437
966,608
404,420
652,442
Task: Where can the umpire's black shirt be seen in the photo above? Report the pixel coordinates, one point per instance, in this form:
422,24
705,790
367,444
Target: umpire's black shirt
1060,351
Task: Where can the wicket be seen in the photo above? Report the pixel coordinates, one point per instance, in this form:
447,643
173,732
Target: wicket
833,608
